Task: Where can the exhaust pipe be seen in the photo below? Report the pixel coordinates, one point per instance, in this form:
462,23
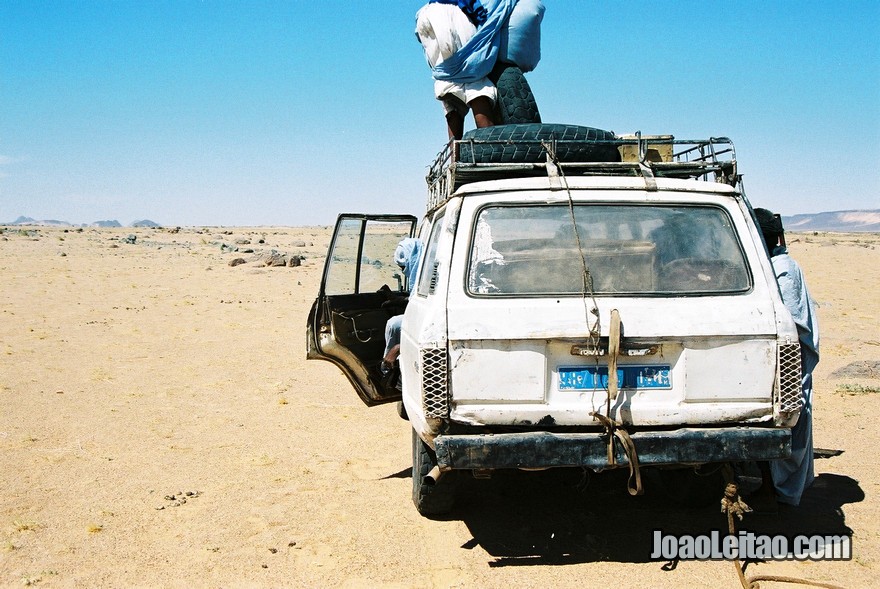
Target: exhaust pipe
432,477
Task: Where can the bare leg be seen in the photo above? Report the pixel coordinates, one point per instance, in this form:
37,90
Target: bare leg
392,355
455,124
482,108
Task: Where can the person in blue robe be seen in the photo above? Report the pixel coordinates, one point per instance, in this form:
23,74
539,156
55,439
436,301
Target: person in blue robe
791,476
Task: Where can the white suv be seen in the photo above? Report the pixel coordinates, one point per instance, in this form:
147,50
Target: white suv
583,300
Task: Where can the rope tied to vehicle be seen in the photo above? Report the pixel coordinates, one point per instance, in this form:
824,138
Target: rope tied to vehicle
557,178
733,505
614,429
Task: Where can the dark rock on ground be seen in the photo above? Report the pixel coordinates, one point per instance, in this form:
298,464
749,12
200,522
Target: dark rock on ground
860,369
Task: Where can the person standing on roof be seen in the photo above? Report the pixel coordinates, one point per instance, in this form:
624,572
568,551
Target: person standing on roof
463,39
792,475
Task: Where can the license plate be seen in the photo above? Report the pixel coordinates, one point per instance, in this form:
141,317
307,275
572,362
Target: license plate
583,378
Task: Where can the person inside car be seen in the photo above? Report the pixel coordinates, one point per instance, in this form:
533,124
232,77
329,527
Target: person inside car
406,256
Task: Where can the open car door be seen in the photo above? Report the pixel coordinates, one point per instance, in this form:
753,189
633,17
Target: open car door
361,289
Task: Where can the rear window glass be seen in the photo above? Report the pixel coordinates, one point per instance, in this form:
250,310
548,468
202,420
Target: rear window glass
606,249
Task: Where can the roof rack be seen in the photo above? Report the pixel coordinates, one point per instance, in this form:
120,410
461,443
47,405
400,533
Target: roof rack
650,156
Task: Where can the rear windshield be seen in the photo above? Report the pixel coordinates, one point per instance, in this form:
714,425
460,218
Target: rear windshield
605,249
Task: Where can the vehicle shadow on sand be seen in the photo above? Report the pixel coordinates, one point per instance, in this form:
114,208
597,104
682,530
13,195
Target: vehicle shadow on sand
553,517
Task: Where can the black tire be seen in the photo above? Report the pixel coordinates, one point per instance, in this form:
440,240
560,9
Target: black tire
506,144
515,102
430,499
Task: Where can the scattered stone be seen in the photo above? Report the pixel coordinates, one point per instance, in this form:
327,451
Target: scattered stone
859,369
295,261
131,239
299,244
243,241
274,259
273,550
237,262
178,499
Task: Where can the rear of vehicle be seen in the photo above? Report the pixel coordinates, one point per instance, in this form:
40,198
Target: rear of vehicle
583,300
534,299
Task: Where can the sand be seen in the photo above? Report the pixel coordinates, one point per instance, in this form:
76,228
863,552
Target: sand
160,427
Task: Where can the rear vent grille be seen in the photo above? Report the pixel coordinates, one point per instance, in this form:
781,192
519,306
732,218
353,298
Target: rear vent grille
435,395
434,277
789,397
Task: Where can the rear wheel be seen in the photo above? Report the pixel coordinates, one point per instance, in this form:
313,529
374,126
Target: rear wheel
434,498
401,411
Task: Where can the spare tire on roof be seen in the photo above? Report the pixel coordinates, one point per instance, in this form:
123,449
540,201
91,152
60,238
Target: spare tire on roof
508,144
515,102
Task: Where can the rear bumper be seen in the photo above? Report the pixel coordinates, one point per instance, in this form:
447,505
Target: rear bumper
545,450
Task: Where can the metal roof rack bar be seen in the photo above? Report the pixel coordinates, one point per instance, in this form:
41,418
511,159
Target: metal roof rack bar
664,156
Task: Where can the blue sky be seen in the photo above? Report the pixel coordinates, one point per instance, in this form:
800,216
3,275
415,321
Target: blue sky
286,113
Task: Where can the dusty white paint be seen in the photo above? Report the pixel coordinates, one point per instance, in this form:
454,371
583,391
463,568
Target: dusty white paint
504,353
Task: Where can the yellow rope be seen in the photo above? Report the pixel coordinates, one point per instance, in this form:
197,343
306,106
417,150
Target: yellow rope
614,429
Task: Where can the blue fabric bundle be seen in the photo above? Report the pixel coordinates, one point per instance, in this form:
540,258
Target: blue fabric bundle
521,38
476,59
510,31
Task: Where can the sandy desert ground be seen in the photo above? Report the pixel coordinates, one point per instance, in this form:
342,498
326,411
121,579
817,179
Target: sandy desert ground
134,376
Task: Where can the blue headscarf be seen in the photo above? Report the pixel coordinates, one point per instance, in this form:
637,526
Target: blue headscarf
476,59
407,255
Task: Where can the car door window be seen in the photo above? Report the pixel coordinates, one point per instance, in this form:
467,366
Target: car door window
362,256
346,324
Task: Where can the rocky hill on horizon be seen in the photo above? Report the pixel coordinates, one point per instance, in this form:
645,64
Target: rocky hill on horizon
853,221
22,220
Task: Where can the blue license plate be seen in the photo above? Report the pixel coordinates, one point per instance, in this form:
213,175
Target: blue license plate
584,378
